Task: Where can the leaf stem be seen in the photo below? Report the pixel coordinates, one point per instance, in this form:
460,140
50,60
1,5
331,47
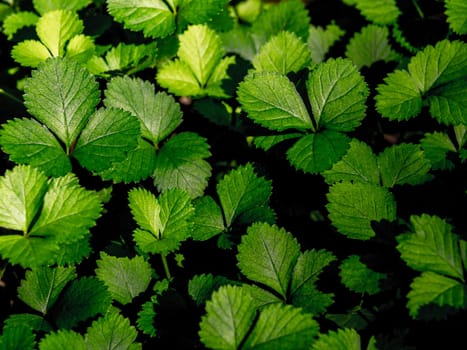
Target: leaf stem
10,96
166,266
418,8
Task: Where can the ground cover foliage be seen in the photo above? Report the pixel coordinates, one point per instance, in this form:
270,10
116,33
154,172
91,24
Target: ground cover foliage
220,174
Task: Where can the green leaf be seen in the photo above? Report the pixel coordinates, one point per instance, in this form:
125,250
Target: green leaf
111,331
21,192
229,316
271,100
28,251
262,297
75,92
283,53
177,77
431,288
208,220
158,114
145,209
181,164
403,164
82,299
80,48
107,138
201,11
456,15
379,11
431,247
30,53
269,141
18,20
337,93
317,152
145,320
43,6
436,147
242,191
153,17
357,165
28,142
34,322
342,339
267,254
201,287
240,41
282,327
17,338
320,40
42,286
370,45
358,277
72,253
125,278
63,339
352,207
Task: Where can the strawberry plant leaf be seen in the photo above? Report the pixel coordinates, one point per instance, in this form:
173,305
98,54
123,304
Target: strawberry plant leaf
201,11
42,286
181,164
321,39
106,138
63,339
30,53
282,326
125,278
80,48
43,6
378,11
337,93
267,142
229,315
456,15
436,147
76,93
261,296
145,209
267,254
352,207
242,191
283,53
179,79
17,338
208,220
145,320
72,253
358,277
34,322
201,287
431,247
239,40
271,100
342,339
18,20
28,251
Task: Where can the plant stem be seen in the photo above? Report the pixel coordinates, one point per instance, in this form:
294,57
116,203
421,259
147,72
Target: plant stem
418,8
10,96
166,266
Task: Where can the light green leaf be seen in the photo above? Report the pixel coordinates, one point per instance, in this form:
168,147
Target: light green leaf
30,53
342,339
75,92
145,209
403,164
159,114
17,338
176,214
208,220
153,17
63,339
283,327
201,11
125,278
262,297
357,165
358,277
72,253
242,191
177,77
201,287
267,254
28,142
181,164
107,138
43,6
320,40
22,190
215,83
436,147
271,100
352,207
337,93
283,53
112,331
42,286
229,316
18,20
379,11
80,48
430,288
431,247
317,152
370,45
456,11
28,251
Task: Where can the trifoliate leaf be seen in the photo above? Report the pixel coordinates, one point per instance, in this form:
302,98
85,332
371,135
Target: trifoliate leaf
267,254
337,93
262,297
63,339
283,53
379,11
17,21
403,164
43,6
82,299
242,191
154,17
28,142
34,322
21,192
181,164
370,45
229,316
271,100
352,207
145,320
456,15
430,288
145,209
282,326
17,338
358,165
107,138
431,247
75,92
317,152
112,331
201,287
177,77
30,53
358,277
42,286
342,339
436,147
320,40
125,278
208,220
159,114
